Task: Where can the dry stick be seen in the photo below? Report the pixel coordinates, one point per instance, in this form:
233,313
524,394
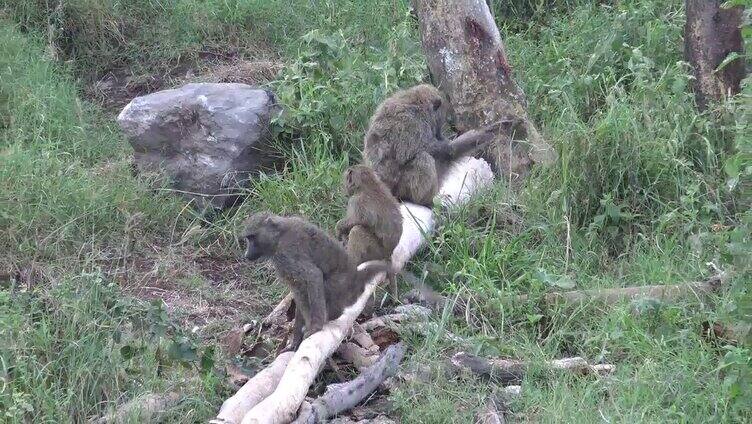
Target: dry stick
611,296
492,412
712,285
253,391
282,405
343,396
278,315
507,371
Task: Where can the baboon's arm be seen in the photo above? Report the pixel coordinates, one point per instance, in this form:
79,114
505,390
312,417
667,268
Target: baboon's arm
461,145
317,303
297,330
343,227
469,141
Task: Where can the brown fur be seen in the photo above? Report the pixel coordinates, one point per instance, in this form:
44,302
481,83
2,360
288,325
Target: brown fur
405,146
372,224
322,277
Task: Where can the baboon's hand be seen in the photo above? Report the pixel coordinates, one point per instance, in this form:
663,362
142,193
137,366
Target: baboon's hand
503,126
341,229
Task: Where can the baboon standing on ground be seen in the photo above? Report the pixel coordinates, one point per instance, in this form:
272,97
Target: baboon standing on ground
372,225
322,277
405,146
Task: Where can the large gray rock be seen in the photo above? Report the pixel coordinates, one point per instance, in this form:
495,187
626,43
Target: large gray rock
209,139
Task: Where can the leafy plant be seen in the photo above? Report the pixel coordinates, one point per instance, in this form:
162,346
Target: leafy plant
155,330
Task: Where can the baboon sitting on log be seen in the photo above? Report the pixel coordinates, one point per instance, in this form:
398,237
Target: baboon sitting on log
372,225
322,277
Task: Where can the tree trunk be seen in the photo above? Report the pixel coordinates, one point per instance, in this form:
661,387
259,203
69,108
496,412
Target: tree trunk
467,62
712,33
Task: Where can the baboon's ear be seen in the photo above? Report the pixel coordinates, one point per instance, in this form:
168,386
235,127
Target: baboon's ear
349,176
436,104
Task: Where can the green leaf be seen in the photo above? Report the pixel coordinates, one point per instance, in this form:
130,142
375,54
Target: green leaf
730,58
207,359
733,166
534,318
129,351
564,282
732,3
182,351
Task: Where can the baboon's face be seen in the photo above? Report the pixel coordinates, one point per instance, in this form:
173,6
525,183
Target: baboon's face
260,236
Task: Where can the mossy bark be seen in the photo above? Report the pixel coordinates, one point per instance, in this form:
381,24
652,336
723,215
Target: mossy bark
711,34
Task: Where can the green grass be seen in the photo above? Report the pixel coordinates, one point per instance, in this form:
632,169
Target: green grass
641,195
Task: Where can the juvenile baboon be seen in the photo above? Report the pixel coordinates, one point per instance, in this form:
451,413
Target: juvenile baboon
323,279
372,225
405,146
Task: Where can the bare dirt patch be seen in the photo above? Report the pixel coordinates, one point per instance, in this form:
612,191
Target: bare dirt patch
117,88
208,294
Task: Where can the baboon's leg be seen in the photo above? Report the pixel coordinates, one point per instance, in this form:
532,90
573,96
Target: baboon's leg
418,181
363,246
297,330
307,283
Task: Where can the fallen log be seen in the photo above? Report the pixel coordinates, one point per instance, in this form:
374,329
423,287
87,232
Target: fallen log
712,285
466,176
282,404
343,396
253,391
668,292
509,371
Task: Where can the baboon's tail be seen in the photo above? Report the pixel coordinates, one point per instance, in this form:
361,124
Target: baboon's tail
370,268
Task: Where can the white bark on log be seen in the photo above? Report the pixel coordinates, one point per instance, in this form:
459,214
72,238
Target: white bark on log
253,391
463,178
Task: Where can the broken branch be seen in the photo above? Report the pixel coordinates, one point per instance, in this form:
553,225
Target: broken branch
253,391
343,396
508,371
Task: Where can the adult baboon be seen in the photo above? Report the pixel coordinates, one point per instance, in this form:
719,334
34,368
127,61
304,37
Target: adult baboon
322,277
405,146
